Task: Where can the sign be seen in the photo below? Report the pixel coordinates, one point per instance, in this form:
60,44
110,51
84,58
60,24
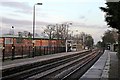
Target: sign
33,41
8,40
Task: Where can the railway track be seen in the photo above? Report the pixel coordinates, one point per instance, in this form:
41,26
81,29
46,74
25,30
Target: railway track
63,68
77,73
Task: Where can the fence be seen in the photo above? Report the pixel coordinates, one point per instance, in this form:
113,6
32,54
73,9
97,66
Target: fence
15,52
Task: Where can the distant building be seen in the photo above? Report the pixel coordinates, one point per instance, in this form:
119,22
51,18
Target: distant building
18,41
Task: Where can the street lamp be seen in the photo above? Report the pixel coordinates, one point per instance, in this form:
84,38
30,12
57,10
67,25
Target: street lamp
34,25
13,47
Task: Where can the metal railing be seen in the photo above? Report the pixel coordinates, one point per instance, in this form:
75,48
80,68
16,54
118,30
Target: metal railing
16,52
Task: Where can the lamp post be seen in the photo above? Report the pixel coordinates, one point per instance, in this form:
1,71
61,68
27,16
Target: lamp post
13,47
34,25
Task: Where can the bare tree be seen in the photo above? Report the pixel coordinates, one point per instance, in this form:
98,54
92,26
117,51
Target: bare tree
57,31
50,30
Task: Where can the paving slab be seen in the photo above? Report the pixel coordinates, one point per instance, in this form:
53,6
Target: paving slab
113,73
107,67
96,71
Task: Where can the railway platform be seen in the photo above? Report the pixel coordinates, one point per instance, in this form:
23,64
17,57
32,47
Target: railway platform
104,69
20,62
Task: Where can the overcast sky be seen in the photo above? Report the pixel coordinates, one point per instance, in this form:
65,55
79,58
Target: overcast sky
84,14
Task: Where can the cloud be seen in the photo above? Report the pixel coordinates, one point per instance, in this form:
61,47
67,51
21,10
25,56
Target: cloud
18,6
20,22
112,0
82,17
83,25
72,1
7,1
20,25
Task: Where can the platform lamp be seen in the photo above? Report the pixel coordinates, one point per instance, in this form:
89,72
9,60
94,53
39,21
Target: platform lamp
34,27
13,47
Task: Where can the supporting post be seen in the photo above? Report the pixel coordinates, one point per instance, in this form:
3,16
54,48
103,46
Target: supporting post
13,51
66,46
3,56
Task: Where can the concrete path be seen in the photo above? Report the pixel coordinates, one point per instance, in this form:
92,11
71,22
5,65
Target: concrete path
106,67
113,73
